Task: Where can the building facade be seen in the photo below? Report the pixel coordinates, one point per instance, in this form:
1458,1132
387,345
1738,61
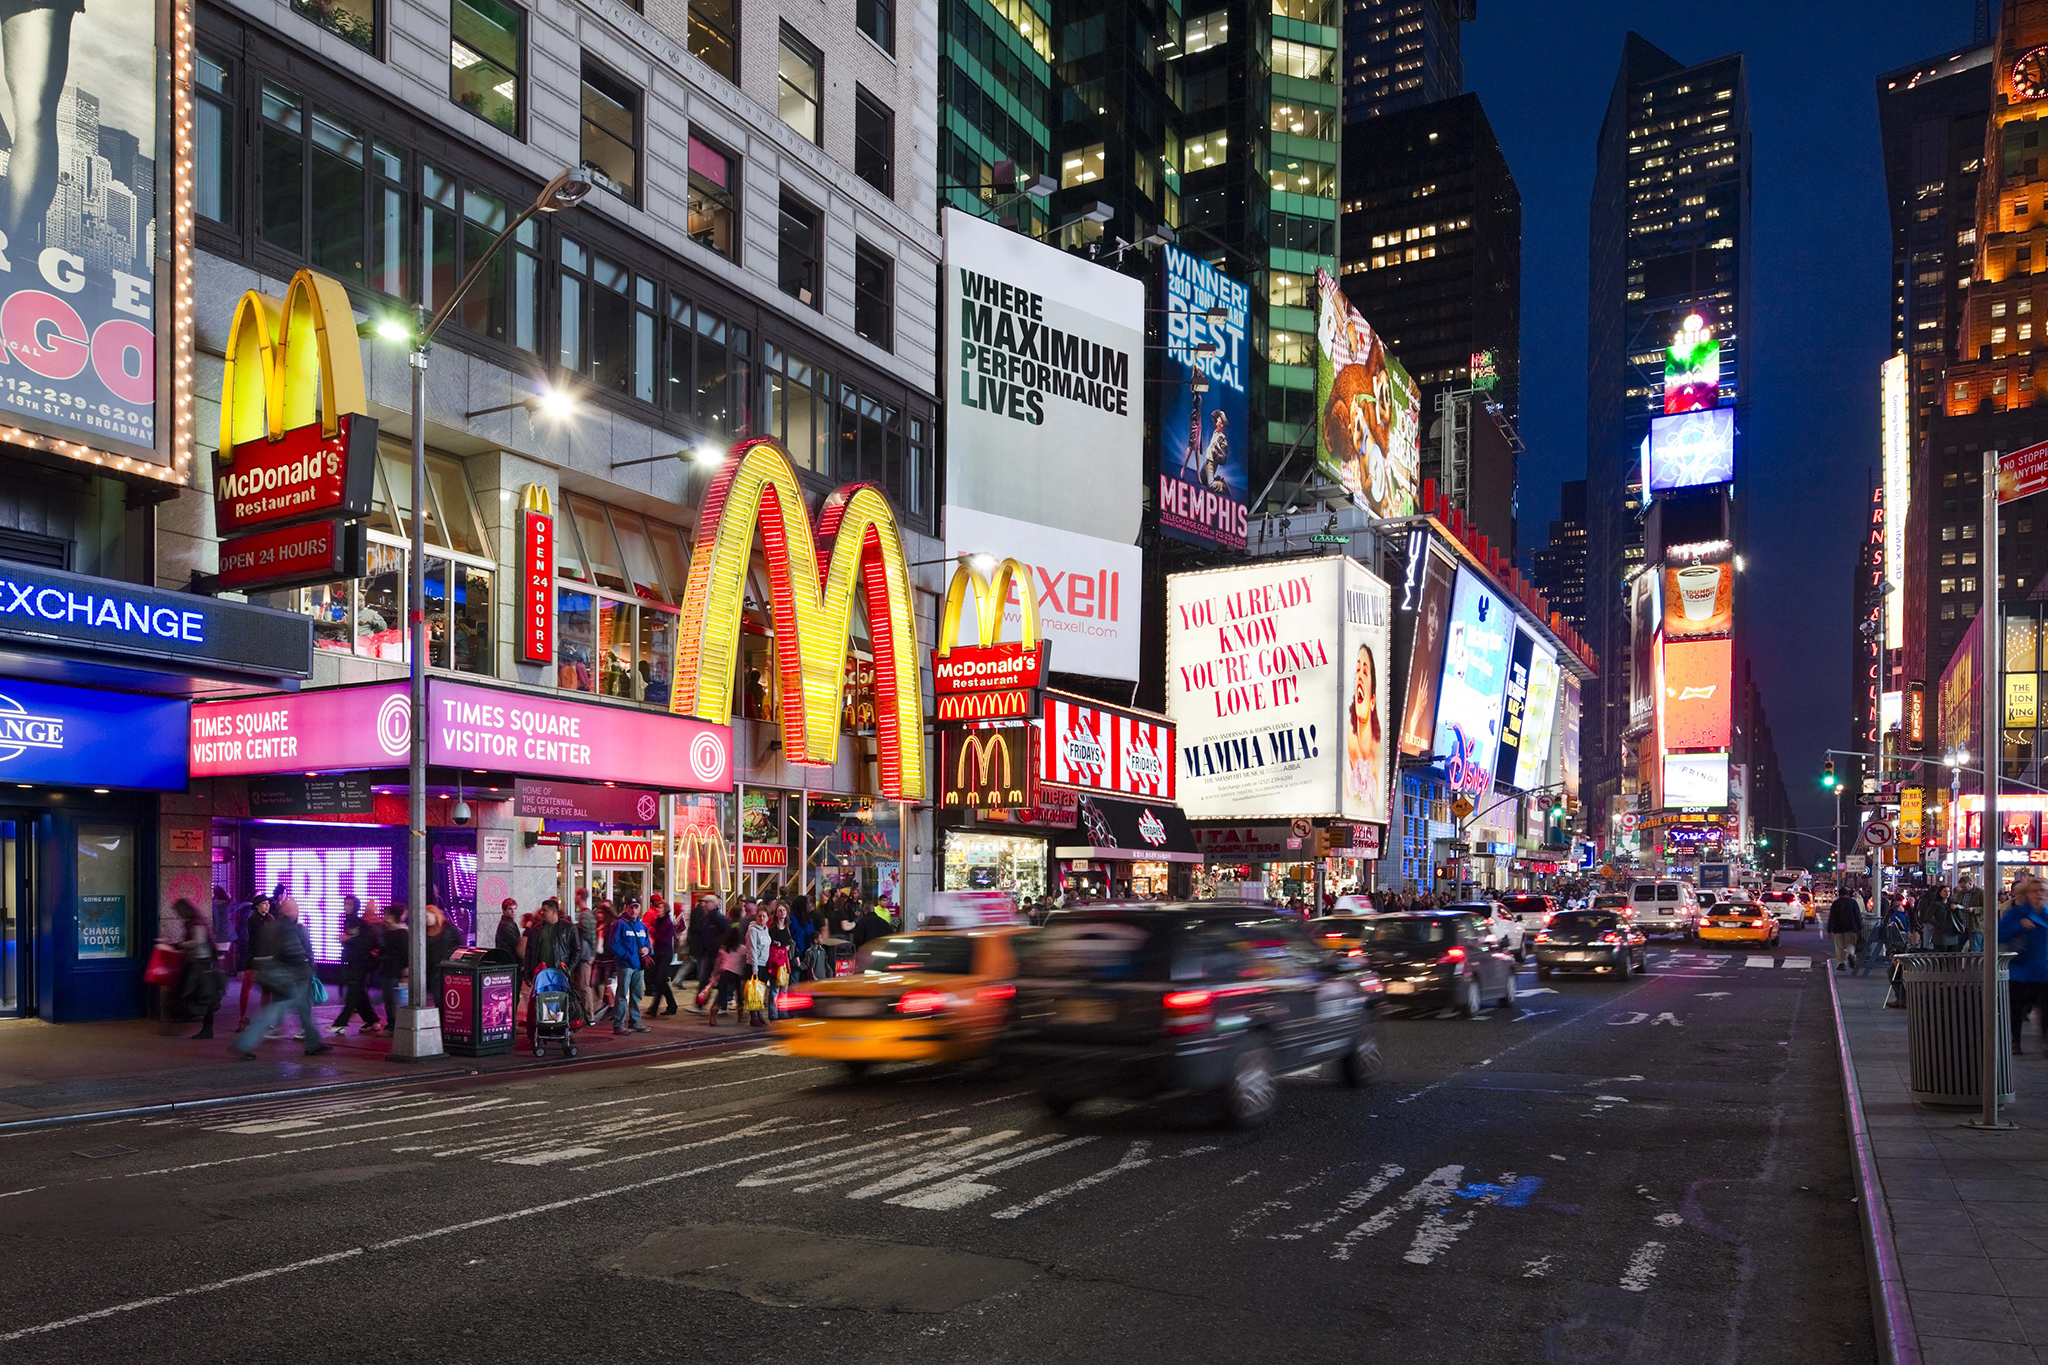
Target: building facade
1401,53
1559,568
1669,238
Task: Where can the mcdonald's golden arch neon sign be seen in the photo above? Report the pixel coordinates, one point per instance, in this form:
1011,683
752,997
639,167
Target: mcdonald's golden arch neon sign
296,443
987,769
811,610
984,680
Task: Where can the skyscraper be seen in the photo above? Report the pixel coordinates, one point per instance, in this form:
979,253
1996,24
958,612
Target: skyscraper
995,103
1430,244
1559,568
1669,240
1402,53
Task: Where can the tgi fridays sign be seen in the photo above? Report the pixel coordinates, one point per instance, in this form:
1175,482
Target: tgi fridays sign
1094,747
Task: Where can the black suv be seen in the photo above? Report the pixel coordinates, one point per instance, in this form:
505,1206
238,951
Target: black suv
1202,997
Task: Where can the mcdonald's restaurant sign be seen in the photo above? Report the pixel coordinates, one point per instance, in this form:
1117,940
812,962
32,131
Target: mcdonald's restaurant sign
296,444
984,680
986,770
756,497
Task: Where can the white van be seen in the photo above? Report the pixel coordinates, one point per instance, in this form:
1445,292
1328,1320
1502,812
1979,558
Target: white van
1665,907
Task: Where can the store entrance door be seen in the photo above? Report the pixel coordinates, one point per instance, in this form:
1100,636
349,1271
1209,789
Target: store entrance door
17,912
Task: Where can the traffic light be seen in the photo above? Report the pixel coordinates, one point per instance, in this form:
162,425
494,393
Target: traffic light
1763,841
1557,808
1827,775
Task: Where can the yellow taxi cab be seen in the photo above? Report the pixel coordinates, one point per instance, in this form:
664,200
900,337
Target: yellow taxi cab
926,997
1737,919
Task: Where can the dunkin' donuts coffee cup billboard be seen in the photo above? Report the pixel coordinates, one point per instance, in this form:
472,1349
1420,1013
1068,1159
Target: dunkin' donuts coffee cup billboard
1699,596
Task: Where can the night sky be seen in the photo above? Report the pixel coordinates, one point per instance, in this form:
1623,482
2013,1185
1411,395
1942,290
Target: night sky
1820,296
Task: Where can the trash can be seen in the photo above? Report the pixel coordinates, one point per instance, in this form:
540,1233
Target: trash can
1945,1027
479,995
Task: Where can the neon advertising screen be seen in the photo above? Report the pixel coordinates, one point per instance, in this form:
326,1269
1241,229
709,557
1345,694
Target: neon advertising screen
318,878
1691,449
1477,644
1697,678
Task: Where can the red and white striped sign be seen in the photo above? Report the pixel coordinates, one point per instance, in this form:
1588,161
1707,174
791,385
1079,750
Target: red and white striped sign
1095,747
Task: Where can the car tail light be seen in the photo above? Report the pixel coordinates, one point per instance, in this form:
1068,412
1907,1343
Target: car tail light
1454,955
923,1002
1610,937
1004,991
1543,938
793,1000
1188,1011
1756,924
1356,952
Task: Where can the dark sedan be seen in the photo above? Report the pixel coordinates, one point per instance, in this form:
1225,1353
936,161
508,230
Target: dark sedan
1439,957
1600,941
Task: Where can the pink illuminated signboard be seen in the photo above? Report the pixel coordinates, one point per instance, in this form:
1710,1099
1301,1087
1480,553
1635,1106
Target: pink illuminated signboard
468,727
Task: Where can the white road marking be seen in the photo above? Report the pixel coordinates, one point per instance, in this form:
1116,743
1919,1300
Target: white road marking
713,1061
1439,1185
881,1150
775,1126
950,1161
968,1187
1439,1233
549,1157
1528,1014
1713,995
1536,1269
1667,1017
1131,1161
1761,962
11,1193
1642,1267
1670,1220
1800,962
1635,1017
1534,990
1349,1204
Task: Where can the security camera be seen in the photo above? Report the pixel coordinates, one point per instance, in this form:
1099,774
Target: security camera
462,813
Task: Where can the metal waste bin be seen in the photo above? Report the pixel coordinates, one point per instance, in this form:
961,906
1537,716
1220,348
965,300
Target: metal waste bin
479,995
1945,1027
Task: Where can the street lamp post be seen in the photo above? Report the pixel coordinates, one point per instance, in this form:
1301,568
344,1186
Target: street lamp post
418,1034
1955,758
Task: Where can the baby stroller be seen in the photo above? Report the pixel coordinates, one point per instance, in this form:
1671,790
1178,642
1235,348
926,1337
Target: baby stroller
548,1013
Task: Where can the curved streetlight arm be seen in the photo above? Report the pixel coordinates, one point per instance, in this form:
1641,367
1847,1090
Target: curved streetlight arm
551,198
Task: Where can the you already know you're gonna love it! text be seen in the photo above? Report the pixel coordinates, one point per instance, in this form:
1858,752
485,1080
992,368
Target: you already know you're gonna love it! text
1011,360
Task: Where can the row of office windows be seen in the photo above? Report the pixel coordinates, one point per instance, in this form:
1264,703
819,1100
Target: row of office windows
326,189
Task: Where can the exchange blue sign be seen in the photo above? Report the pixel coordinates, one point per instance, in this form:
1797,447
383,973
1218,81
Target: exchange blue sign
68,736
49,607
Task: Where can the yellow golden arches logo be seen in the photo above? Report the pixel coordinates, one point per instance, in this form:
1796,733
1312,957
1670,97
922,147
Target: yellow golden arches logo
986,751
289,361
991,598
812,612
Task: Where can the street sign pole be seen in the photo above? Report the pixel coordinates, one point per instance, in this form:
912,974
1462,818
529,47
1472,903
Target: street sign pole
1992,633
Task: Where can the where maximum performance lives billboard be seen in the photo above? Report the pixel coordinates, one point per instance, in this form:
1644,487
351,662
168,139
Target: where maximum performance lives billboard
1204,465
77,302
1044,371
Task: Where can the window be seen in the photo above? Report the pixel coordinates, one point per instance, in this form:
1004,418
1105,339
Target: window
459,223
611,132
1304,61
713,211
214,123
366,616
797,85
709,371
354,21
874,295
615,628
1205,149
874,142
1291,348
1080,166
714,35
877,19
486,54
1205,31
607,323
1209,90
799,411
330,196
797,249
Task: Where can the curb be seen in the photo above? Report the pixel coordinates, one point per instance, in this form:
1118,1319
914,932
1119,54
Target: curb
332,1087
1898,1340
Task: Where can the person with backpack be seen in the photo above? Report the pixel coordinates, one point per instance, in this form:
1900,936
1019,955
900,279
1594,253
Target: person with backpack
2023,932
1900,937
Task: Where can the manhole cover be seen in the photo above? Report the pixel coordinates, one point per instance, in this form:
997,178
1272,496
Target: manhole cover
101,1153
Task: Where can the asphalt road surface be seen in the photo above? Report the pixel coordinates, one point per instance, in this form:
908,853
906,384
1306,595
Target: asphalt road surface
1648,1170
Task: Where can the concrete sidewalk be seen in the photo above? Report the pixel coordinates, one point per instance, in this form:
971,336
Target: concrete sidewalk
1966,1211
50,1071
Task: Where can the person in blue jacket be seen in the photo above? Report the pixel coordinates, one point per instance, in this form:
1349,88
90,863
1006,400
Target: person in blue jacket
2023,932
631,945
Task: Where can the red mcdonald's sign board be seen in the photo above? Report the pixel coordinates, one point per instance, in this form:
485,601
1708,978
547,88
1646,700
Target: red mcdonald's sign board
626,852
537,590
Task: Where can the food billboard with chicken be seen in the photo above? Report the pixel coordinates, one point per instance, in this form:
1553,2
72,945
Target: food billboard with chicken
1371,411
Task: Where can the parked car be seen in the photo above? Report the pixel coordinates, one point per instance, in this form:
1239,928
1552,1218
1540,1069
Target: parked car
1591,941
1196,997
1439,957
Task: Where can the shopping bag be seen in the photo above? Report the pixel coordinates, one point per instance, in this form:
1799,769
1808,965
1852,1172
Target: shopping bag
166,965
756,995
319,991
